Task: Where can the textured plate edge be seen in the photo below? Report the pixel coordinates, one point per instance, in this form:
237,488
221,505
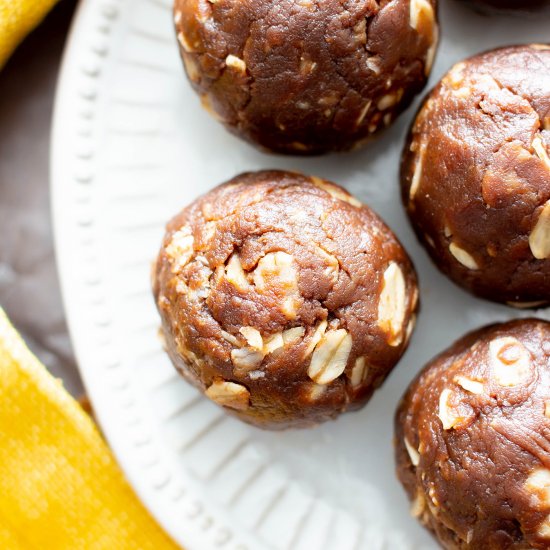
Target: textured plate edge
61,182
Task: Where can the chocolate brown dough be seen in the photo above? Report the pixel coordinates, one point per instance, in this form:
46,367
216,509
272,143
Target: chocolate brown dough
283,298
306,77
473,440
476,175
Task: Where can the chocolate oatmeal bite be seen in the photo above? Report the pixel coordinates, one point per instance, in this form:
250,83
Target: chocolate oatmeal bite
283,298
305,77
473,440
475,175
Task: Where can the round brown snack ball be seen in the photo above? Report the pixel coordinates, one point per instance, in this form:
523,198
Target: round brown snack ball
473,440
475,175
306,77
283,298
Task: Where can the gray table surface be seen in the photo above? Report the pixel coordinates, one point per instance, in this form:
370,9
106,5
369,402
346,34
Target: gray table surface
29,287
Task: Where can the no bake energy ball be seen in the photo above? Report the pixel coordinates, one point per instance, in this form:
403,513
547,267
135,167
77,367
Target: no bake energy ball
473,440
476,175
306,77
283,298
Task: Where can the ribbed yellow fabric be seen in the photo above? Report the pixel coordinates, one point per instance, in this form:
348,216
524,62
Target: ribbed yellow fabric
17,19
60,487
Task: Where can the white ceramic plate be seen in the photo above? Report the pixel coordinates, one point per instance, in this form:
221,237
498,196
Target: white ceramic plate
131,146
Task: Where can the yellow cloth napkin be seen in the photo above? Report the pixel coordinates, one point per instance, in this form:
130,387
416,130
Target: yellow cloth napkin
60,487
17,19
